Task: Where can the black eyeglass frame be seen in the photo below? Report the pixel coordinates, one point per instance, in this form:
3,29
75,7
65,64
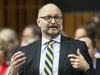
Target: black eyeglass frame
44,17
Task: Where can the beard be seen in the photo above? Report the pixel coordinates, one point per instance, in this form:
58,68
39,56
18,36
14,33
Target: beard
52,32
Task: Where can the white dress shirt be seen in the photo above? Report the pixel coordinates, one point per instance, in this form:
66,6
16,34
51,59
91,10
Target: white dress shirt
56,52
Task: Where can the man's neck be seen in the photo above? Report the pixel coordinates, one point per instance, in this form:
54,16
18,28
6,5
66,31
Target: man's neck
50,36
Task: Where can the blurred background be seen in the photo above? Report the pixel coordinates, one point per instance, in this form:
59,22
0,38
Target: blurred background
18,25
16,14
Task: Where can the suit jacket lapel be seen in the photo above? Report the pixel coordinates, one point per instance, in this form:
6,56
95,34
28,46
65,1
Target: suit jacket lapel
63,52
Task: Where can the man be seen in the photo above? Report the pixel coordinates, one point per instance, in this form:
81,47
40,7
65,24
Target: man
92,51
31,31
51,54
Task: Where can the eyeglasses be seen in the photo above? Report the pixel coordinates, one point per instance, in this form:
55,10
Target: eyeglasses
49,18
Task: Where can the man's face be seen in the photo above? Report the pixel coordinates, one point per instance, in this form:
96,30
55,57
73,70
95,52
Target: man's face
91,50
27,33
50,27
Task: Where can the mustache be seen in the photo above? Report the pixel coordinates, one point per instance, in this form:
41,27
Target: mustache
53,27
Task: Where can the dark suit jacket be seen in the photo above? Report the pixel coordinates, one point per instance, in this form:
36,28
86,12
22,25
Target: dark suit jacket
98,66
16,49
68,46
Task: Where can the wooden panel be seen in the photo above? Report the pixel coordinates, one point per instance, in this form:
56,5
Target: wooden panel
1,19
11,14
78,19
1,14
21,2
40,2
30,2
11,2
74,20
11,19
1,2
69,21
21,22
30,11
30,16
87,17
21,17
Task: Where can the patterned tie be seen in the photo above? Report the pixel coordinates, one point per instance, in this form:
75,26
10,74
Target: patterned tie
49,59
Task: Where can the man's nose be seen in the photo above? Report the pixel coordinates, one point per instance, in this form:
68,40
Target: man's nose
53,20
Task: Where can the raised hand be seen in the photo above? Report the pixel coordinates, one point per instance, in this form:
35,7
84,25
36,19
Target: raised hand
78,62
16,62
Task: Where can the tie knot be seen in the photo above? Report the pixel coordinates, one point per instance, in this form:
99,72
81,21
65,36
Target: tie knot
51,42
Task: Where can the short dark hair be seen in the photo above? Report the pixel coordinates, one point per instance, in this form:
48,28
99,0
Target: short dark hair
36,30
92,40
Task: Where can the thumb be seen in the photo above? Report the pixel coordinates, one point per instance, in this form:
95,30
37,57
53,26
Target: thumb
78,52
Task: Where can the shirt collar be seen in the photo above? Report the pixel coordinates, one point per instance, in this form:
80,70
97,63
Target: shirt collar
57,39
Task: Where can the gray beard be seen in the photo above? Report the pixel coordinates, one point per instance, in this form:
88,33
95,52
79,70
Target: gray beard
49,33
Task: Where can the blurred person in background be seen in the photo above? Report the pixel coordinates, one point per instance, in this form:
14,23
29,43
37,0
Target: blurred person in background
91,29
90,42
3,55
27,41
10,36
31,31
96,28
84,30
96,17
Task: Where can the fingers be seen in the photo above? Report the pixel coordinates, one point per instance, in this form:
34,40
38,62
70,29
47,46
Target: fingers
19,52
73,56
17,56
78,52
16,60
19,62
74,61
75,66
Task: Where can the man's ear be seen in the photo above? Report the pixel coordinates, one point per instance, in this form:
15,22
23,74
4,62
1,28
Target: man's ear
38,22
